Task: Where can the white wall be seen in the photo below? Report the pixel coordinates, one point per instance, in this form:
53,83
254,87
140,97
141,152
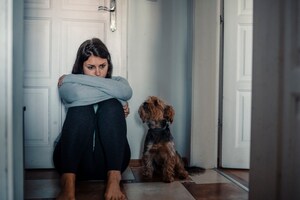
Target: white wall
158,64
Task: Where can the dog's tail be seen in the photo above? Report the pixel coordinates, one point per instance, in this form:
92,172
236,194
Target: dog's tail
194,170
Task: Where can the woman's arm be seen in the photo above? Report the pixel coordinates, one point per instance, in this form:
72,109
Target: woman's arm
116,87
74,94
82,92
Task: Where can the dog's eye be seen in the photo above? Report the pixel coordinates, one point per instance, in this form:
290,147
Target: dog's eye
145,105
156,103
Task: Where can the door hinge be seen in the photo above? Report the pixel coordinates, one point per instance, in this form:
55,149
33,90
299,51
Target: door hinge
221,19
220,123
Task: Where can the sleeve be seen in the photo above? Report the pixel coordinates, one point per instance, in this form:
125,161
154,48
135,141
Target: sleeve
74,92
117,87
85,90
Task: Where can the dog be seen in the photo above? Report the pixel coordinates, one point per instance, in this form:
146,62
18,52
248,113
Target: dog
159,155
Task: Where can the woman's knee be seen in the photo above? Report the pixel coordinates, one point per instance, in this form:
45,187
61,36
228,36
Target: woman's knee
111,117
80,110
110,106
80,113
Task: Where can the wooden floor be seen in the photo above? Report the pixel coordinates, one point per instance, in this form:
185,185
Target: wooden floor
202,185
239,175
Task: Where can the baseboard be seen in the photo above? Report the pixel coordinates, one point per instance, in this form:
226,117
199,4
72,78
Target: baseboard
138,162
135,163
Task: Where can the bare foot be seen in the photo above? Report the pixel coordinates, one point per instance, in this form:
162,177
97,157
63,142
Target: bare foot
113,189
67,187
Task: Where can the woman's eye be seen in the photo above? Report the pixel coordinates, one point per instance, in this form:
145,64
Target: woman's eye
102,66
90,67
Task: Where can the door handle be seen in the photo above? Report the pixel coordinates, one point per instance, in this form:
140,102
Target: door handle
112,10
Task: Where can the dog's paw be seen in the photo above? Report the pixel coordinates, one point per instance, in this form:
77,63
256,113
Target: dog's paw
168,179
183,174
147,174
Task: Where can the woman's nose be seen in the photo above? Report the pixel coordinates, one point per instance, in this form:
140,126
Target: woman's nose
98,72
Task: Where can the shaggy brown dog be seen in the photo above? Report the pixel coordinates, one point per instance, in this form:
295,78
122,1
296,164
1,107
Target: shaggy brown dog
159,154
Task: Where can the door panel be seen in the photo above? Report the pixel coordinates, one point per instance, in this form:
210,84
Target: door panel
237,83
84,29
54,29
37,100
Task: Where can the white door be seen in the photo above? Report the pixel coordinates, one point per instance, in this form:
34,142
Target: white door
53,32
237,83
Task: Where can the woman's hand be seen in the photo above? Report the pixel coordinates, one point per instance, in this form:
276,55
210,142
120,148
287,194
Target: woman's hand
126,110
60,80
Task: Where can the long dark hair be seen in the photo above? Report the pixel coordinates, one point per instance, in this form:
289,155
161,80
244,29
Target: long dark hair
88,48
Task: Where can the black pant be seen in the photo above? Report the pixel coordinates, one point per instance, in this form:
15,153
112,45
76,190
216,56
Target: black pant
93,143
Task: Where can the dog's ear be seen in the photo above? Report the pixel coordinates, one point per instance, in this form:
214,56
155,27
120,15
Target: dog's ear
169,113
142,114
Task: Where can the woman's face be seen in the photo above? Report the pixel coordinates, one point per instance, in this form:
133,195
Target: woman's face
95,66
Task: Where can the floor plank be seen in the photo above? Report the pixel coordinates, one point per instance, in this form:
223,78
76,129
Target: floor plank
210,176
240,175
157,190
41,189
216,191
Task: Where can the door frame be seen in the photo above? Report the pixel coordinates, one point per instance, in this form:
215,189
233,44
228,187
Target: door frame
221,84
274,148
11,90
205,83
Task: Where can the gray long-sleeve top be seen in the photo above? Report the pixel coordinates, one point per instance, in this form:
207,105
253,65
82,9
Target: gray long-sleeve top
80,90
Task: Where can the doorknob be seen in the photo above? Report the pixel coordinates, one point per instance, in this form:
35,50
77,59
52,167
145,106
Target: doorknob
112,9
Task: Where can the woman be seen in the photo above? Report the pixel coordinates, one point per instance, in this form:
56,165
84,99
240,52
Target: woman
93,143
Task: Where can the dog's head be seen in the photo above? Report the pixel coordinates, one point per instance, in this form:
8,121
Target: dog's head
154,111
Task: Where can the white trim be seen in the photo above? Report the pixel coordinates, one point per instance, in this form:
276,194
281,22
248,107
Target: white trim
17,95
205,84
6,114
124,38
11,138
